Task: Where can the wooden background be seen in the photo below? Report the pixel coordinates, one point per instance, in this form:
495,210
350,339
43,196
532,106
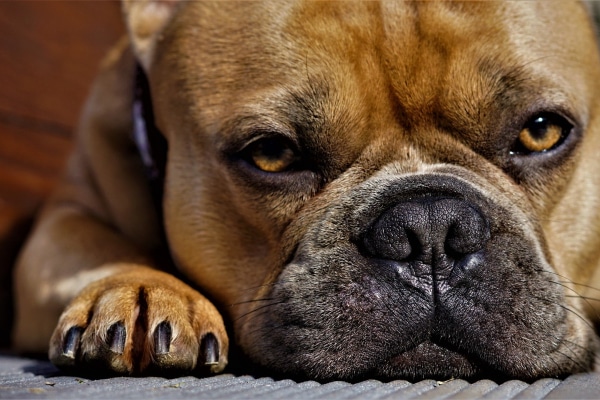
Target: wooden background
49,54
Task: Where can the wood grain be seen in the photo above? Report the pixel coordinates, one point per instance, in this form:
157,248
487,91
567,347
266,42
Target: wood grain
49,54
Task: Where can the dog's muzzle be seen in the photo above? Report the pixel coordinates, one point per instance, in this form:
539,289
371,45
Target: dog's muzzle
431,242
419,275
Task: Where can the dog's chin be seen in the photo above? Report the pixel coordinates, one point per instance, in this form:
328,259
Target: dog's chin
429,360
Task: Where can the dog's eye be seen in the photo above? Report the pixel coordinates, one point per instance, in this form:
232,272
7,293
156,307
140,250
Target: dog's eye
272,154
542,132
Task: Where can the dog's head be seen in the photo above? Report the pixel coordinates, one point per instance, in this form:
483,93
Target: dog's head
390,190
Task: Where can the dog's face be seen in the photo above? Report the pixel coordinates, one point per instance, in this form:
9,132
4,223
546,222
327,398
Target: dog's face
392,190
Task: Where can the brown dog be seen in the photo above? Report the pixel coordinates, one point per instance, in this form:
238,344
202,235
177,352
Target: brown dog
359,189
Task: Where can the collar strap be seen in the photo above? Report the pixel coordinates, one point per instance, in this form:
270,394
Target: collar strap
151,144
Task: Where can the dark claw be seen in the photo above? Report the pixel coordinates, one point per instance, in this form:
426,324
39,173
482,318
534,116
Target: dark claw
116,337
71,343
209,350
162,338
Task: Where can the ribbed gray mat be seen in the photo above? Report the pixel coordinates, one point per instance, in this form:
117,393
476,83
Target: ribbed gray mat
22,378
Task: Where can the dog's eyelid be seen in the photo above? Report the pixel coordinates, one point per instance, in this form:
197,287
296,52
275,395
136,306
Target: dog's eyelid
261,135
246,131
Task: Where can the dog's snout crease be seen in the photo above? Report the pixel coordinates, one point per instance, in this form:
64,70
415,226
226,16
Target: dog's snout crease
431,233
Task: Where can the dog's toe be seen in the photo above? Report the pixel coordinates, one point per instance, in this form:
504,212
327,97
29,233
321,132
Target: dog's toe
118,326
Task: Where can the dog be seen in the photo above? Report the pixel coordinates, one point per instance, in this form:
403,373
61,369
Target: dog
335,190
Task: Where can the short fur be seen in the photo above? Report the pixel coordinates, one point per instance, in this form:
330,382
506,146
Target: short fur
391,106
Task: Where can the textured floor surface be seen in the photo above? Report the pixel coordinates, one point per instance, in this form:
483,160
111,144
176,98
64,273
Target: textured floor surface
23,378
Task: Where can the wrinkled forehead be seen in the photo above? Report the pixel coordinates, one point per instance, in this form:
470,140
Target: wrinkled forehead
479,53
414,50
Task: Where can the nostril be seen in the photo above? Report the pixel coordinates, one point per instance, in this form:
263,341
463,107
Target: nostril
467,233
420,229
398,233
392,244
461,273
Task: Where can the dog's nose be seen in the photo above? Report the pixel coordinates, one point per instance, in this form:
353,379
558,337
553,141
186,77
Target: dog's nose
433,231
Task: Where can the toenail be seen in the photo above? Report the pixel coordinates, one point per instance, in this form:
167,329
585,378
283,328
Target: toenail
116,337
162,338
71,343
209,350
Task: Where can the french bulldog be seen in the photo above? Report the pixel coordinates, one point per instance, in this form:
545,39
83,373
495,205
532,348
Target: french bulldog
347,190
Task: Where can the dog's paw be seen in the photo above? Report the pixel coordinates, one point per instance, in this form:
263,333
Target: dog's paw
141,321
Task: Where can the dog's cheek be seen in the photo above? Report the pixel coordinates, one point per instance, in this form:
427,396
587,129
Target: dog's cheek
215,246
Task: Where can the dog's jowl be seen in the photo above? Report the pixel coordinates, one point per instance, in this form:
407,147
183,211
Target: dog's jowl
338,190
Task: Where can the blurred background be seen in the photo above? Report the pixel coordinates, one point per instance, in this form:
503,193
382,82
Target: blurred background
49,54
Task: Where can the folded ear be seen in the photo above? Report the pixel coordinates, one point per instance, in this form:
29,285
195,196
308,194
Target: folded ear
145,20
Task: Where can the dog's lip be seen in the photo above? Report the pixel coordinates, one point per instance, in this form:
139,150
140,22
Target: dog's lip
429,359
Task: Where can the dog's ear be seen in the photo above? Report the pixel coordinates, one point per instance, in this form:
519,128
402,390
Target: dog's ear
145,20
594,10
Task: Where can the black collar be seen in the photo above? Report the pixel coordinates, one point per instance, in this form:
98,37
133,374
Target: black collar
151,143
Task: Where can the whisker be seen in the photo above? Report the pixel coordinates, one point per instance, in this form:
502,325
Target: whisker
568,310
562,340
586,286
585,349
567,280
266,330
583,297
257,309
577,295
239,303
575,362
254,288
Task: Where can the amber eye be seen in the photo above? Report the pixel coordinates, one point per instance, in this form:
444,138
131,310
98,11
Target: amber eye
272,154
543,132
